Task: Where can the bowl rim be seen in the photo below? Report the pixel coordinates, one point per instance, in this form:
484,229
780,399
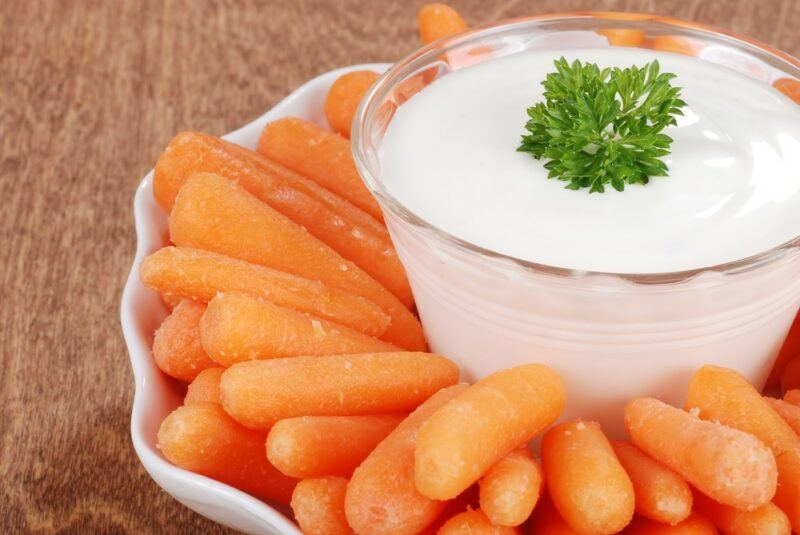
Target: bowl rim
418,60
165,474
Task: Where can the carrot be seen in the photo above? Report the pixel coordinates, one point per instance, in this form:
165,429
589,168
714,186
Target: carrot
201,438
789,412
214,214
623,37
343,99
789,87
727,464
200,275
792,396
677,45
547,521
696,524
790,378
766,520
474,522
176,345
496,415
724,395
586,481
437,21
510,489
661,494
318,506
348,230
205,387
319,155
468,498
381,496
789,350
315,446
258,393
238,327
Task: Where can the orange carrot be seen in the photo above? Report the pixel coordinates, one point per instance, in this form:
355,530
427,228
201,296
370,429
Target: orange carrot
484,424
322,156
510,489
790,378
725,396
727,464
381,496
677,45
348,230
623,37
200,275
258,393
176,346
696,524
789,350
201,438
205,387
214,214
586,481
661,494
547,521
437,21
315,446
318,506
792,396
789,87
238,327
789,412
467,499
343,99
474,522
766,520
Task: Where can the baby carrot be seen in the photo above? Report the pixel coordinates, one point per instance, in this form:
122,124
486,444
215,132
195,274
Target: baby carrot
485,423
547,521
766,520
200,275
176,346
348,230
677,45
238,327
696,524
344,97
381,496
725,396
510,489
456,506
729,465
623,37
792,396
436,21
205,387
258,393
322,156
790,413
790,378
315,446
474,522
789,350
586,481
661,494
214,214
201,438
789,87
318,506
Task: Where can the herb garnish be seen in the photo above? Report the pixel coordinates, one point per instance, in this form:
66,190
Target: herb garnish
599,127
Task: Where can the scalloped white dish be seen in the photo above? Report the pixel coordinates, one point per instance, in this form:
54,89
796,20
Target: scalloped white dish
142,311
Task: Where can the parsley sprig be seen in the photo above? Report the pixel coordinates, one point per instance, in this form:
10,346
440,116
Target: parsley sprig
599,127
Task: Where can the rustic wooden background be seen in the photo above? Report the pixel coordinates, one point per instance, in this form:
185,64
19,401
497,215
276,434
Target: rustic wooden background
89,94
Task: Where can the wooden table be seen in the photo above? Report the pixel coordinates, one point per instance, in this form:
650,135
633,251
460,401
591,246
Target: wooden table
90,92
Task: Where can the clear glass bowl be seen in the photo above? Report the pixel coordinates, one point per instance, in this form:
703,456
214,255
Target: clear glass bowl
613,336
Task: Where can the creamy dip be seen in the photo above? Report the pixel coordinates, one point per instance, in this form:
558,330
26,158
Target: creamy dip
450,156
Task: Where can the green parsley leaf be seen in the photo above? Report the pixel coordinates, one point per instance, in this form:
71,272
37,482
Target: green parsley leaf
603,127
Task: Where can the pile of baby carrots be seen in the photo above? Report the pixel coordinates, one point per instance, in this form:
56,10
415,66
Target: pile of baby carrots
293,324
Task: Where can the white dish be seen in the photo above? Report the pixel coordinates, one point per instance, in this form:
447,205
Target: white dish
142,311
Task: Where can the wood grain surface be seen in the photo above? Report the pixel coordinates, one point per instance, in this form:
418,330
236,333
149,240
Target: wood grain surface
90,92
